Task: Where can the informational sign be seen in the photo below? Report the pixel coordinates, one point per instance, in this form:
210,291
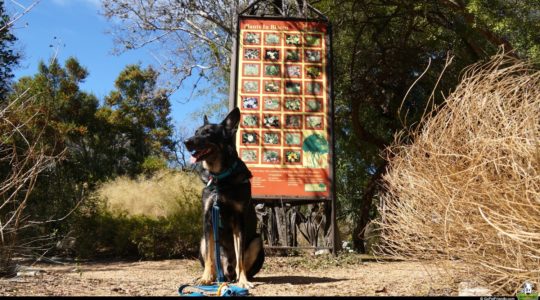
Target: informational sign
282,91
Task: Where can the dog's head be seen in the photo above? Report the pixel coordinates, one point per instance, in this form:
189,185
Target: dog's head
212,143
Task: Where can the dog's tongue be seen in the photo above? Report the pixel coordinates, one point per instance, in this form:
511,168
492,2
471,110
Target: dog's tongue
196,157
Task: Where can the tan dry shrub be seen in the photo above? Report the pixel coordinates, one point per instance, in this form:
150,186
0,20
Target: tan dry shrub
162,195
468,187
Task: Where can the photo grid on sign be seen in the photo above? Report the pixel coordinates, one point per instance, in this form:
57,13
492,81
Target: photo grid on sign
282,95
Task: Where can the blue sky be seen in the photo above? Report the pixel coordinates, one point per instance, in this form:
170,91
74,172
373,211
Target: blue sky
75,28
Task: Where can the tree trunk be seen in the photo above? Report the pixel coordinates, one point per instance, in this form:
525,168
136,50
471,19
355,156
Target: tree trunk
358,235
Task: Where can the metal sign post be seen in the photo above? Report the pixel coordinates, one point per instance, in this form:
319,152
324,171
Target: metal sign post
283,87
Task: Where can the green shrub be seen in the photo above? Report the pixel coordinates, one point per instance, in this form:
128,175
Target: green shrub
154,164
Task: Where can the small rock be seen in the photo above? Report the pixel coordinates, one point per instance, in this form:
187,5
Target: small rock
28,273
322,252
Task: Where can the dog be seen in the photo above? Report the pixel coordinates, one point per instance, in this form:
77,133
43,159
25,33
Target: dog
227,180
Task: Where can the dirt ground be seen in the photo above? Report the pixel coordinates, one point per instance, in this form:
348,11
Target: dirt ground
346,275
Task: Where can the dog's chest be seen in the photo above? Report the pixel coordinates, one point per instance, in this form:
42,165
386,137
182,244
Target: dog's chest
224,200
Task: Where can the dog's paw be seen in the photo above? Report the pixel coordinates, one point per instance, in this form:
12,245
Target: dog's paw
204,280
244,283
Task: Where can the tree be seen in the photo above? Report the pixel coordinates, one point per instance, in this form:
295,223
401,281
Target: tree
71,130
380,49
130,134
131,129
188,37
22,159
8,57
139,111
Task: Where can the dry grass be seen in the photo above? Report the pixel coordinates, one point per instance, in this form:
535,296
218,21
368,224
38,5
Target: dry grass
162,195
469,186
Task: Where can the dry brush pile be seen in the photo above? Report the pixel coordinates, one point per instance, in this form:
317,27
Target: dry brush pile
468,187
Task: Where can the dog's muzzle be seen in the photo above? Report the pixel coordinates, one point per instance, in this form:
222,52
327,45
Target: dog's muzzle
197,152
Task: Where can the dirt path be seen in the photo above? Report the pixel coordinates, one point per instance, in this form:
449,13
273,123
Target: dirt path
302,276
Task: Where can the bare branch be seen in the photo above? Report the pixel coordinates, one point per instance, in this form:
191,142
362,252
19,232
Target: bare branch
17,16
21,149
181,35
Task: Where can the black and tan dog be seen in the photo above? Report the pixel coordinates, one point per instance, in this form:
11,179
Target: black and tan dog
227,182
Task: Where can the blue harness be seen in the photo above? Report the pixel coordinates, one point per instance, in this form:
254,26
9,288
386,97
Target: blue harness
221,288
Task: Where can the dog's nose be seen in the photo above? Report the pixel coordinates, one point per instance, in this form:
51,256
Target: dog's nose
188,143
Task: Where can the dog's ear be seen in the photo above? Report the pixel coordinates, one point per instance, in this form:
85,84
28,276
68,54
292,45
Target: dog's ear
206,120
231,121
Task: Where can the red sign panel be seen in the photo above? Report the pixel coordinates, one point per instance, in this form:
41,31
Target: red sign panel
284,135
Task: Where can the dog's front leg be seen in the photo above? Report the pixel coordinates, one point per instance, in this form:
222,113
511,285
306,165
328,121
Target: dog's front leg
240,264
209,254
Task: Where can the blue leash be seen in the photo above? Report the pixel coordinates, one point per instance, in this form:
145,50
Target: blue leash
221,288
215,224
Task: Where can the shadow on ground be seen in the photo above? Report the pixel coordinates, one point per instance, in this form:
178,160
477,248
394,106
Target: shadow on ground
294,280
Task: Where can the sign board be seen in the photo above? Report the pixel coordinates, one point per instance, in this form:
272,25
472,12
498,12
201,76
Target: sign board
282,91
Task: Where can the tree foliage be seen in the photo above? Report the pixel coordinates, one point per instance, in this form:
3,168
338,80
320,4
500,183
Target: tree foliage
129,134
22,158
380,49
9,58
140,113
